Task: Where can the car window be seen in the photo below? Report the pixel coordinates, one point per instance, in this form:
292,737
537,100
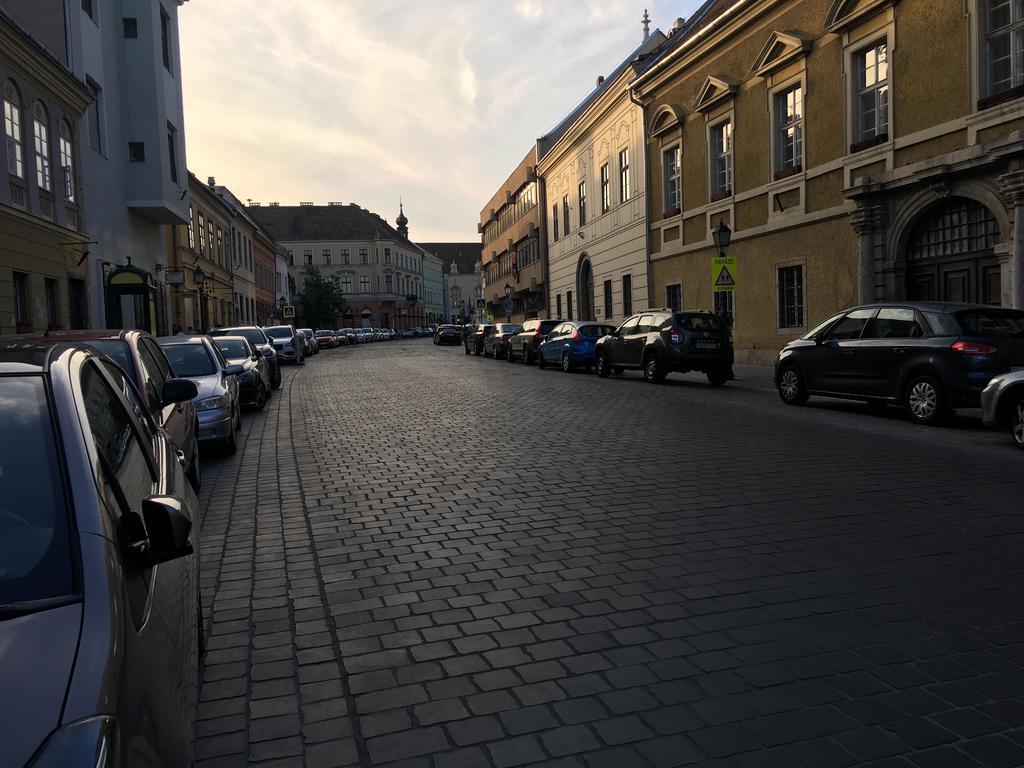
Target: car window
821,327
596,330
234,348
894,323
152,378
546,325
646,324
118,351
35,531
628,326
991,322
126,387
851,326
190,360
698,321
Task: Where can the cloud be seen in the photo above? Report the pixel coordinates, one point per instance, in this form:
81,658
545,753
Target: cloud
530,9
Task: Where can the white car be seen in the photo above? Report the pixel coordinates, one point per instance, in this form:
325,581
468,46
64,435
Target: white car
1002,404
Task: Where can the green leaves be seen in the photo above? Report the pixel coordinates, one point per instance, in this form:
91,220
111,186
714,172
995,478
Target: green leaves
321,300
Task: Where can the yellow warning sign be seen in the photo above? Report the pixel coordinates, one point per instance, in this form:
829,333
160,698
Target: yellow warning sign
723,274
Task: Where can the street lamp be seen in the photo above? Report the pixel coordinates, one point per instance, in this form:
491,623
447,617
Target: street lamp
508,302
200,278
282,303
721,235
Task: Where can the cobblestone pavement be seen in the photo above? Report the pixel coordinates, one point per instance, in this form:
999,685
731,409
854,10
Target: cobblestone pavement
419,558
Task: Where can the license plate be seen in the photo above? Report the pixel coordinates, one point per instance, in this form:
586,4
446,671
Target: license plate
707,345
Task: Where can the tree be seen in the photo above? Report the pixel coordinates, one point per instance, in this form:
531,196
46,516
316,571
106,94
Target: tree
321,299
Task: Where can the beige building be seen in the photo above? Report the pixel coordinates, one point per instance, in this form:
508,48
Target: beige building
854,157
380,271
591,168
514,247
463,279
42,248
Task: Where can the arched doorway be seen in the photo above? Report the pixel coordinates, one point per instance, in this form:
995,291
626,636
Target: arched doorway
950,255
130,299
585,289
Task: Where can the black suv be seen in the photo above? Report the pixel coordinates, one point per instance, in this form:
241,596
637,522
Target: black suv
474,341
660,341
262,342
526,343
929,357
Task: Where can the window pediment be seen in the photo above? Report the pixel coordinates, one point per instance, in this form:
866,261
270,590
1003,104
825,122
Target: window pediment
714,91
845,13
665,118
780,50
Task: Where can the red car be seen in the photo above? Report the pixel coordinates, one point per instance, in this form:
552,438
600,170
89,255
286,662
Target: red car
326,339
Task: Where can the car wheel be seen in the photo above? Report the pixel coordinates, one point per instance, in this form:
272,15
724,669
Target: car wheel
601,366
231,444
566,363
652,369
791,386
238,416
1017,422
276,383
718,376
261,397
193,472
925,400
540,360
509,355
467,348
526,355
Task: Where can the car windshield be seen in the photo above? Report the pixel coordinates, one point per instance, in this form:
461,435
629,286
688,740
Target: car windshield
504,328
35,537
991,322
255,335
118,351
279,333
699,322
596,330
190,360
232,349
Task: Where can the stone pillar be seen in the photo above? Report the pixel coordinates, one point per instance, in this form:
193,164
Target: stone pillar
869,221
1011,185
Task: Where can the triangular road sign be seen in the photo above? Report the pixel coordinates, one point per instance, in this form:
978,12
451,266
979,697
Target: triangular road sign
725,277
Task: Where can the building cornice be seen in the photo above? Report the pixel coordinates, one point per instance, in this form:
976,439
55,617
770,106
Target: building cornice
39,66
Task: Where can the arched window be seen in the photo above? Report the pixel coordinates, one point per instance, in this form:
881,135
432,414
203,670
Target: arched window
41,132
12,131
67,163
956,227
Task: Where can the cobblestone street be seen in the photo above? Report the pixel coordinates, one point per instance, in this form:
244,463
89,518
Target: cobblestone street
420,558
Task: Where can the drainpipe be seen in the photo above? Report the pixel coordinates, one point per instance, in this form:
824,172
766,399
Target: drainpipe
647,196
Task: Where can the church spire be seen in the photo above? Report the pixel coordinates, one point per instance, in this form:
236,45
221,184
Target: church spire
402,221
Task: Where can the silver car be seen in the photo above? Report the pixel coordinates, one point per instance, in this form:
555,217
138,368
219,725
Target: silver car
1002,404
100,620
218,408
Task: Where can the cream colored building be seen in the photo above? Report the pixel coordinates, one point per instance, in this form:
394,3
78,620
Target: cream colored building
591,168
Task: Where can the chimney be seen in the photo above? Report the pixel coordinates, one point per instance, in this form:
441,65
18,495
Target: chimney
306,205
273,205
211,181
600,80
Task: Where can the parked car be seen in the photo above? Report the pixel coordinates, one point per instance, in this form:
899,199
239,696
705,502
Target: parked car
929,357
217,403
100,627
660,341
447,334
141,358
497,344
1002,404
289,344
524,344
408,333
262,342
326,339
254,380
474,342
310,344
570,344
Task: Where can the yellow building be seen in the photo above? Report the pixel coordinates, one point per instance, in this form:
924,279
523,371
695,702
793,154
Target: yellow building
859,150
42,247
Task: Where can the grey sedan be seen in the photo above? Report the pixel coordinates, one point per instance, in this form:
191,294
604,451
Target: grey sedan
99,596
1002,404
218,409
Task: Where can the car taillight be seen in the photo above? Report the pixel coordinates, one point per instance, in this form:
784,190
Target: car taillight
674,335
576,335
974,348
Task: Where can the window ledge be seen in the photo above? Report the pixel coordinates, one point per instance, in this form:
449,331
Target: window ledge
785,173
1000,98
670,214
721,195
874,141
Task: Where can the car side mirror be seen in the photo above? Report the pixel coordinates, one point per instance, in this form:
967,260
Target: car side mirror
234,370
179,391
268,353
159,533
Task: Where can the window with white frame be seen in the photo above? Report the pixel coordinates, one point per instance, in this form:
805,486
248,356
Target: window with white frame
41,133
871,77
789,129
364,284
202,234
346,283
67,161
344,255
1004,42
721,158
325,256
191,228
364,256
583,202
670,163
791,296
606,188
624,190
674,297
12,131
307,256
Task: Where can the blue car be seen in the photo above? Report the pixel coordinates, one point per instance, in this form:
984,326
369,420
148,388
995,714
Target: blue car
570,344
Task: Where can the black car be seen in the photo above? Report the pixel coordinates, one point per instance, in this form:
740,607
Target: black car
447,334
100,620
525,343
660,341
928,357
497,344
254,381
474,341
262,342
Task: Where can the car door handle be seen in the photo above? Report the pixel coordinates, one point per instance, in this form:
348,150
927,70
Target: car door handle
899,350
847,351
181,457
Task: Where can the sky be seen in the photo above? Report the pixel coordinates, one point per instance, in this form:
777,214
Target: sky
434,102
